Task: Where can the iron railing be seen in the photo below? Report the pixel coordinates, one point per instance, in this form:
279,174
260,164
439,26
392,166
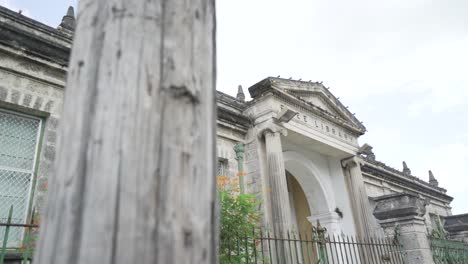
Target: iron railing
445,251
16,252
316,247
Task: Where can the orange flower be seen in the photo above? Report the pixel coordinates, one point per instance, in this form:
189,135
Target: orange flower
222,181
241,173
235,181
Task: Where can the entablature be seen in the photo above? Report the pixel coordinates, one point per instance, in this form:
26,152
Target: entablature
380,170
33,37
309,97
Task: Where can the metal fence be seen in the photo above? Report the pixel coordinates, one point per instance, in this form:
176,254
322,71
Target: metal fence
445,251
316,247
28,232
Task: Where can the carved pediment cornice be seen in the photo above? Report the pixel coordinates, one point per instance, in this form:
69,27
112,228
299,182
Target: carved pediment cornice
335,107
285,90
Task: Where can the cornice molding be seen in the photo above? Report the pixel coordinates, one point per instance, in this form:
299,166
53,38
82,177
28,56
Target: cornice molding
272,85
320,95
314,110
229,100
33,45
233,119
34,24
413,182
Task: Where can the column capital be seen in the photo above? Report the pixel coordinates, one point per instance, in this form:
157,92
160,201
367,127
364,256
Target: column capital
350,162
272,129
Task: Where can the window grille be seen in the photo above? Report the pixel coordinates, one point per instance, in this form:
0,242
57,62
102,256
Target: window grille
222,167
19,136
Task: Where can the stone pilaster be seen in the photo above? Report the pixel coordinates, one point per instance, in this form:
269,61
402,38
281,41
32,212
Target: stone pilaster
359,200
405,212
279,196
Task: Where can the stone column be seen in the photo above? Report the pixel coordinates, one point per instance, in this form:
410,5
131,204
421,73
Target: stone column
406,211
365,223
279,197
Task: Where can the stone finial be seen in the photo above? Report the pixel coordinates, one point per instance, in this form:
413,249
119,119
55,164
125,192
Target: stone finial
432,180
68,21
406,170
240,94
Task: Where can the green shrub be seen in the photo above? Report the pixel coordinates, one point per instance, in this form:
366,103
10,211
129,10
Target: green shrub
239,220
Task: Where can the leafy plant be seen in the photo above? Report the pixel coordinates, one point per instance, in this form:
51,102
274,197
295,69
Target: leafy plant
239,217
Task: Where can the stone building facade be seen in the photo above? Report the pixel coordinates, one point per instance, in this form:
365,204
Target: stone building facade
300,144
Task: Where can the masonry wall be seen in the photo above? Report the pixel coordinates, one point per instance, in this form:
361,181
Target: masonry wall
36,88
376,187
225,141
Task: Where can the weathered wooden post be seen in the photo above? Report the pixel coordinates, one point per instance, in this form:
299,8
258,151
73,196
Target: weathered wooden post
134,174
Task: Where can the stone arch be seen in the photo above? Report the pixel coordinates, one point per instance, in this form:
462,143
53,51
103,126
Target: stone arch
319,195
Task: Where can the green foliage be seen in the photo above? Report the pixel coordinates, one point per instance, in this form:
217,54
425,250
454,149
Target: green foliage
439,232
239,219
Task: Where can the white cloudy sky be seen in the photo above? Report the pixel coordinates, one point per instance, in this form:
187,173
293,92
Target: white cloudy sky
401,66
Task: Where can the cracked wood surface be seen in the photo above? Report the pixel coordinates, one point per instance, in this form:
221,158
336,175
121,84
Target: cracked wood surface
134,178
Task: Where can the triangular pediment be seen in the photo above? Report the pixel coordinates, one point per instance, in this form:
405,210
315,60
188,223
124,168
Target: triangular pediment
315,94
318,100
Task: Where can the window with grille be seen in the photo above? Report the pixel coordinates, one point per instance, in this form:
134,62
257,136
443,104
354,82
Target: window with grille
19,136
222,167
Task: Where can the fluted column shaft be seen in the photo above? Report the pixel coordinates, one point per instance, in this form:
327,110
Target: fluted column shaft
359,198
279,197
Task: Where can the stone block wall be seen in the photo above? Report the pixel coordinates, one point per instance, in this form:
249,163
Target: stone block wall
402,213
34,88
376,187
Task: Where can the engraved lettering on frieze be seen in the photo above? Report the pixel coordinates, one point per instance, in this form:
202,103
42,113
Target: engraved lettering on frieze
323,126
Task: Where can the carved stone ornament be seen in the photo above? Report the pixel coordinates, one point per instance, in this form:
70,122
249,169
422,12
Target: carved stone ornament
366,150
406,170
399,205
432,180
272,129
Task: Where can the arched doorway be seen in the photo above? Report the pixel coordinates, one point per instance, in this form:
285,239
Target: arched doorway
300,208
300,211
312,193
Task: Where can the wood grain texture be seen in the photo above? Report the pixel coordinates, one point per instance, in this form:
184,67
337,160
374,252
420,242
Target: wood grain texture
134,174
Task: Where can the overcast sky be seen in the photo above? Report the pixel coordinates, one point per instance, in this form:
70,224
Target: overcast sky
401,66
